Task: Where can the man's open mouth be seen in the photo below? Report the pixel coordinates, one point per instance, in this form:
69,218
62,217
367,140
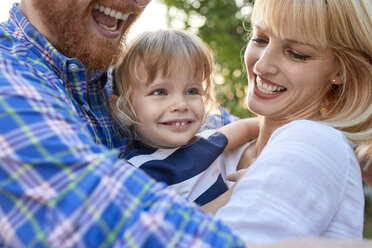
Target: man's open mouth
109,19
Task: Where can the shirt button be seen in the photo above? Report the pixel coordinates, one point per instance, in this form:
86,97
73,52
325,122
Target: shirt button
86,108
73,67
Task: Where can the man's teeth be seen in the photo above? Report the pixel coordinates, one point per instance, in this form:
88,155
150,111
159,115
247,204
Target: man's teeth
109,28
268,89
111,12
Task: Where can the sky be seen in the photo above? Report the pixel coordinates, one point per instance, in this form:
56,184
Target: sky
153,17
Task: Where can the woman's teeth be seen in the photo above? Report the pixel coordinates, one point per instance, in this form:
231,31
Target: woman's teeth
111,12
267,88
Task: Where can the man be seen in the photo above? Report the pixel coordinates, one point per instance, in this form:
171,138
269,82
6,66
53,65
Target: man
61,184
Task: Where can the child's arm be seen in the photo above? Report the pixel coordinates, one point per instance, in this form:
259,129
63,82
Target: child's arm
240,132
213,206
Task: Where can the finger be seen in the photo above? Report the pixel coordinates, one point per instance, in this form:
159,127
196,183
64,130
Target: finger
236,176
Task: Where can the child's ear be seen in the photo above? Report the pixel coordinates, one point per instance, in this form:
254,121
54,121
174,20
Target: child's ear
113,100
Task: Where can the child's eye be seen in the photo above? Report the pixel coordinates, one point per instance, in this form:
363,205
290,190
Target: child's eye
298,56
159,92
193,91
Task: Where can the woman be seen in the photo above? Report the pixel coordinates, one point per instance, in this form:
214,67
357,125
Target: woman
310,81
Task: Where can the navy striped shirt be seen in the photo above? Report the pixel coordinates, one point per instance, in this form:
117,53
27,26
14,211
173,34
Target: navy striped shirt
191,170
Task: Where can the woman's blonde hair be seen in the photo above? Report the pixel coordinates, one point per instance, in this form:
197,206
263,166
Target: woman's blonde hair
345,26
166,52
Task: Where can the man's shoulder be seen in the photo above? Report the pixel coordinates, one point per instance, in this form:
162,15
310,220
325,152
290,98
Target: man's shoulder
13,67
14,53
19,58
20,77
18,53
12,42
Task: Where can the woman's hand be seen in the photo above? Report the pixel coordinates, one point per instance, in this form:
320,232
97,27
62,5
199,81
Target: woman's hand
365,159
236,176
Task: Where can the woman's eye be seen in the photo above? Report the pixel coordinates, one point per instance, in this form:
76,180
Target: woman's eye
159,92
258,41
298,56
193,91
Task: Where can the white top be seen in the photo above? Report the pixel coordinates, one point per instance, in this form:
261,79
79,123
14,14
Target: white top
306,182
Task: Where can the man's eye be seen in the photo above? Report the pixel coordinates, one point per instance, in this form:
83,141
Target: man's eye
159,92
193,91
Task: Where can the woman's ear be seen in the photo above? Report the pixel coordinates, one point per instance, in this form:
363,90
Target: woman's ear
337,79
113,100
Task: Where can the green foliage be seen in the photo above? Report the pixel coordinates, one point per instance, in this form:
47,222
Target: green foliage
223,24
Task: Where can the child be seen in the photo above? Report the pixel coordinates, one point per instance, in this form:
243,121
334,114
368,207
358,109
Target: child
163,87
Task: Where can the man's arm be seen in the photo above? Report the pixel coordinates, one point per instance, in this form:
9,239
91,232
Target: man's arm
58,188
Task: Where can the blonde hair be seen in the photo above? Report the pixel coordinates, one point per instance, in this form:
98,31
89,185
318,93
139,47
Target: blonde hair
345,26
166,52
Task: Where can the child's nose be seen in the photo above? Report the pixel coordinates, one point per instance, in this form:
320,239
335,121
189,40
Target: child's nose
179,105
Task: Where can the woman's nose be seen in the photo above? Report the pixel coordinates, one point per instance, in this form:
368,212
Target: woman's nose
265,60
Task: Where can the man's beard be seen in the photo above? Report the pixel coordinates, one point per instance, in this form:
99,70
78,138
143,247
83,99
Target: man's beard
67,25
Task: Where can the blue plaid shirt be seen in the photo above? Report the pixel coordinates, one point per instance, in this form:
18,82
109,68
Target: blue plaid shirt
61,183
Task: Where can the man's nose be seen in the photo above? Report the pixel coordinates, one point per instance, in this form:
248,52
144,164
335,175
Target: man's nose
142,3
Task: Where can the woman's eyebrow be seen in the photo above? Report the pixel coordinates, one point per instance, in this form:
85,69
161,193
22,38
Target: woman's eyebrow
269,32
300,43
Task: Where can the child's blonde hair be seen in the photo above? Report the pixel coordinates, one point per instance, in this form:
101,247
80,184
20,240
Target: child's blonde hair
346,28
166,52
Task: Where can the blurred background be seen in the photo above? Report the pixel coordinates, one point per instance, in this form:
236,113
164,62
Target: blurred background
224,25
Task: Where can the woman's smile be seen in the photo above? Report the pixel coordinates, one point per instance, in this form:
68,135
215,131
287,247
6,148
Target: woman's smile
267,90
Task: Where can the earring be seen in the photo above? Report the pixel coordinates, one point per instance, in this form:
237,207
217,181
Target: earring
333,80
